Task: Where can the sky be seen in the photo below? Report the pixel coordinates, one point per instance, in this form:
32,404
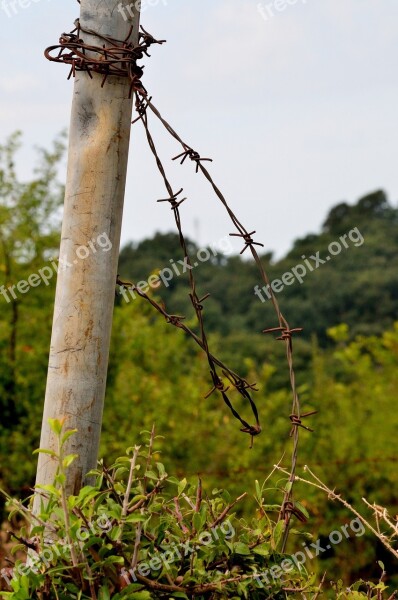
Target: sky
295,100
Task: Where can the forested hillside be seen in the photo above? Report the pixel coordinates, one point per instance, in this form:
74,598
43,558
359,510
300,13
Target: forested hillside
347,357
357,286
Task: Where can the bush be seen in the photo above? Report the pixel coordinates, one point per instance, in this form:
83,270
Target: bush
137,533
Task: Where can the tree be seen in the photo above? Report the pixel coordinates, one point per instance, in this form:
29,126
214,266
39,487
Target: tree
29,221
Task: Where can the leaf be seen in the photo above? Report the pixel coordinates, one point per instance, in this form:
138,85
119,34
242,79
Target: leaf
289,487
140,596
161,469
271,507
114,560
104,593
60,478
56,425
173,480
278,533
45,451
135,518
240,548
226,496
67,435
258,490
302,509
49,488
18,548
262,550
68,460
181,486
87,493
197,522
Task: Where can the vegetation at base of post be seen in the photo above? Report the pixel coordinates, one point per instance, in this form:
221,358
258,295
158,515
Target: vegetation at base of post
140,534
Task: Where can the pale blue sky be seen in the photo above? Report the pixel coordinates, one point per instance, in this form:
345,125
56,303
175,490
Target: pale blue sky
298,111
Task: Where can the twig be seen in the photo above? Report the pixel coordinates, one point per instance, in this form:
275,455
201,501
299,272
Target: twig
226,510
321,486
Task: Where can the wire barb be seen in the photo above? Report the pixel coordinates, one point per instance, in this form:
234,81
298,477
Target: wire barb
193,155
247,237
173,200
286,332
297,421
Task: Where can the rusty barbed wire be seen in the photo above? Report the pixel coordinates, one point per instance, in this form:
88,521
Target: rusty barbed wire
239,384
114,57
119,58
285,332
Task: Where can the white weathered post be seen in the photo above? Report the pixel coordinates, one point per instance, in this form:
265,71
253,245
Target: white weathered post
97,164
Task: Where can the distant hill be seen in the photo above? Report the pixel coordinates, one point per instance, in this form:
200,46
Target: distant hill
345,273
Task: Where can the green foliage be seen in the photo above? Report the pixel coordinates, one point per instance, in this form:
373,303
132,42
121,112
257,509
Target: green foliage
361,589
29,238
138,533
348,372
358,286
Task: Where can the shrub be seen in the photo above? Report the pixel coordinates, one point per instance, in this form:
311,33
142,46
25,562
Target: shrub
137,533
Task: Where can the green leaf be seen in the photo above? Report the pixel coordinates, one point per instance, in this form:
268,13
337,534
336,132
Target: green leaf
45,451
197,522
136,518
289,487
56,426
60,478
262,550
114,560
104,593
161,469
271,507
140,596
173,480
87,493
278,533
240,548
67,435
258,490
68,460
226,496
49,488
181,486
302,509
